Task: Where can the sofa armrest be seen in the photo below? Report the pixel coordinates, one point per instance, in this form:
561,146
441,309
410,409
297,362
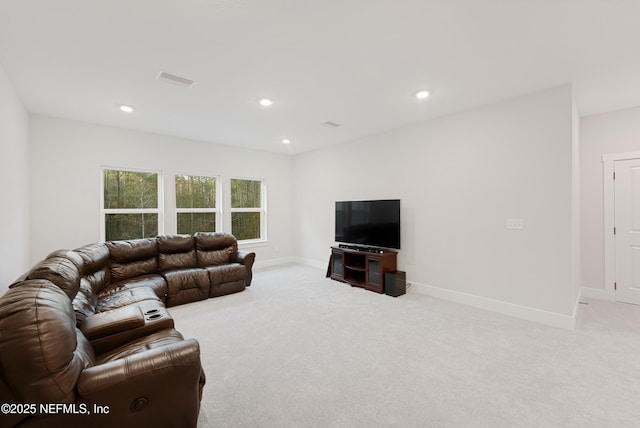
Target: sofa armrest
246,258
160,386
125,372
110,322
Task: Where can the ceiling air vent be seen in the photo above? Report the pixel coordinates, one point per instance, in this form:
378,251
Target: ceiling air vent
175,79
330,124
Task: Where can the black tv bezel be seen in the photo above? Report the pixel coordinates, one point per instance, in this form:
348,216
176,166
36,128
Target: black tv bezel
368,246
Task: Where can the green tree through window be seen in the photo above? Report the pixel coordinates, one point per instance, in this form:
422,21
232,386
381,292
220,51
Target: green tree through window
196,206
130,204
247,211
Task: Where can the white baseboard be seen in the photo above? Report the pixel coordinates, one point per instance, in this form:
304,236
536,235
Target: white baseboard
288,260
518,311
311,262
260,264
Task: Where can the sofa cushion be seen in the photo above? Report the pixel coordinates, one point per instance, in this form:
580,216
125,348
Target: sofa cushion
132,250
61,270
177,260
98,279
154,281
214,257
215,241
94,257
132,258
186,285
215,249
72,256
151,341
123,297
176,252
43,353
175,243
226,273
120,271
226,288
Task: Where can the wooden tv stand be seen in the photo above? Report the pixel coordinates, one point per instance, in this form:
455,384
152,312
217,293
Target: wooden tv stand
362,268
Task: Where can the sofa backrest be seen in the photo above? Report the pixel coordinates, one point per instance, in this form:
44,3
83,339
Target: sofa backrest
133,258
42,351
215,248
95,264
63,268
176,252
96,275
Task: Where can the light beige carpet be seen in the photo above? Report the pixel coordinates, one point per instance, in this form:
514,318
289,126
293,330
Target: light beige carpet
298,350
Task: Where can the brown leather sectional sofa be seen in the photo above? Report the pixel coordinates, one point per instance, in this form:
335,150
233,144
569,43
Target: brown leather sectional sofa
86,339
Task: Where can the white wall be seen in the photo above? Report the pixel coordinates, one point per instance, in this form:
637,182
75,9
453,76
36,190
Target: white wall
66,161
14,184
459,178
611,133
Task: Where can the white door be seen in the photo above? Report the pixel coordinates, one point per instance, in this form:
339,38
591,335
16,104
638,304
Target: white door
627,230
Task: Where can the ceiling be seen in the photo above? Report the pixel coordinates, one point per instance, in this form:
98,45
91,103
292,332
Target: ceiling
354,62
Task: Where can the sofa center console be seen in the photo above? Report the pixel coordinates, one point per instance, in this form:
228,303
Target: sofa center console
114,328
111,322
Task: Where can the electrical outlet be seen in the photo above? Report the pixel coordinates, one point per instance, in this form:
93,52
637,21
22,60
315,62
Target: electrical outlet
515,224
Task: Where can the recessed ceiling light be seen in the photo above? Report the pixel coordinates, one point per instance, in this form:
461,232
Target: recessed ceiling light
421,95
265,102
127,109
286,141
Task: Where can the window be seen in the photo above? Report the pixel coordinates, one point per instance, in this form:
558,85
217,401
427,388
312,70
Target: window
196,204
130,204
248,209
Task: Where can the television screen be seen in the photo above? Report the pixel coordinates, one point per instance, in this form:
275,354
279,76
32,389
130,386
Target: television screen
369,223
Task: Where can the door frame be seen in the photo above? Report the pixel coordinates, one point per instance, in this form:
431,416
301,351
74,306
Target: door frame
609,200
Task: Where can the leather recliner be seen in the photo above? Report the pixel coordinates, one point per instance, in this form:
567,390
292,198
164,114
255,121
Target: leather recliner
52,376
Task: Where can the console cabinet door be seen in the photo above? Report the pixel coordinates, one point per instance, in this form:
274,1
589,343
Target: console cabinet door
374,276
337,264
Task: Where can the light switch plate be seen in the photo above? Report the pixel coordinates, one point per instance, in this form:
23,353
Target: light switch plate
515,224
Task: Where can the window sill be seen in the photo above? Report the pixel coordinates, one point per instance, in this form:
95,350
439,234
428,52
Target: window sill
253,243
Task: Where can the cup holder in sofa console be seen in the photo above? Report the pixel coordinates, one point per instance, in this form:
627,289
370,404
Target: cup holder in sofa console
151,311
154,316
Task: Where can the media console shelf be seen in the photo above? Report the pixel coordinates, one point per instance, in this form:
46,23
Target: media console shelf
362,268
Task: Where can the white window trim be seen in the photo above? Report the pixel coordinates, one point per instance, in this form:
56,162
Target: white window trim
104,211
217,211
262,210
196,210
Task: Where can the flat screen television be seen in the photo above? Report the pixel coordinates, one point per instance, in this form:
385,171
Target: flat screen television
369,223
